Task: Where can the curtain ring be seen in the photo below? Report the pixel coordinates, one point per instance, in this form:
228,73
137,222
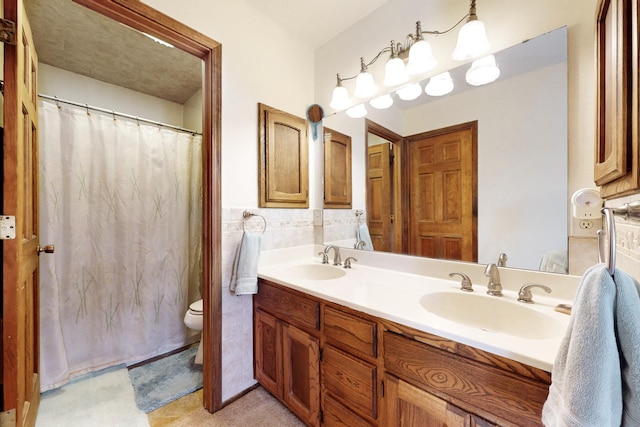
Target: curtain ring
57,102
113,113
86,106
138,120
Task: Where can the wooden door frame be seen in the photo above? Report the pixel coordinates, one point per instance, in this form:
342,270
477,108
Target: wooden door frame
141,17
400,198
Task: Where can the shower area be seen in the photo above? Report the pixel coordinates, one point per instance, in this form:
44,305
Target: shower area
120,194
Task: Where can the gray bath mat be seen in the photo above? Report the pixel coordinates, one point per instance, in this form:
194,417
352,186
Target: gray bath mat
165,380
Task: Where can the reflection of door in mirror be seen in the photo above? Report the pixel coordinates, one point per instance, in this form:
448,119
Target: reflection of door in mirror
443,193
384,196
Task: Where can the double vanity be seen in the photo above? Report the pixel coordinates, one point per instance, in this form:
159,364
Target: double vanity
393,340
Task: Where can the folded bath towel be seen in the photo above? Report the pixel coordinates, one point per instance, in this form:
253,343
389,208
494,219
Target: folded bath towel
244,276
596,375
362,235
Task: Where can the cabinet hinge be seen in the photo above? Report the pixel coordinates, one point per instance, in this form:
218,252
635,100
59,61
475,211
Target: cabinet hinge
7,227
7,31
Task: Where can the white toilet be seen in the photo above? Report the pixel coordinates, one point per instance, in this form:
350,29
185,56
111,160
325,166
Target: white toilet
193,320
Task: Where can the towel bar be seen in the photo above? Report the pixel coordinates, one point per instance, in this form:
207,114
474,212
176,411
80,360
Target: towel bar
628,211
246,215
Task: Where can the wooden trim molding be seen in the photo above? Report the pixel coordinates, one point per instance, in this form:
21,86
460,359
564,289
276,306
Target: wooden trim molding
144,18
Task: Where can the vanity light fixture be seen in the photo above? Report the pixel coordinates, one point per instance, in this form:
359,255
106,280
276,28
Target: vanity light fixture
381,102
409,92
418,55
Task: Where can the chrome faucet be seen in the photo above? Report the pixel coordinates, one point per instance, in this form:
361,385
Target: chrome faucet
360,244
347,262
336,254
524,295
465,284
494,287
502,259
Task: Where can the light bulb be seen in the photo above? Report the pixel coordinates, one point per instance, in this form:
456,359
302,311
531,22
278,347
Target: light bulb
382,102
421,58
439,85
395,73
472,41
365,86
409,92
340,98
483,71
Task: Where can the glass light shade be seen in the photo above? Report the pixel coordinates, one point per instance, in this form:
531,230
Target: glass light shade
382,102
357,111
483,71
472,41
439,85
421,58
409,92
365,86
394,72
340,99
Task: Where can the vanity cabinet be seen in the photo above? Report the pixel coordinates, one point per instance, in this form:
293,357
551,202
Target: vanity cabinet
287,350
336,366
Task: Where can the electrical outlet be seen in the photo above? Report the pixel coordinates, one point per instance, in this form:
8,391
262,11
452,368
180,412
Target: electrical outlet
586,224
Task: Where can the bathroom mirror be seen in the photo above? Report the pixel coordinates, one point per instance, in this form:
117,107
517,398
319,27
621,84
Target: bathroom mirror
522,150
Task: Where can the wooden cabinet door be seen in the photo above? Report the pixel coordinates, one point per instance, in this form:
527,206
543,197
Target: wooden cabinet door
301,372
337,170
284,159
409,406
268,352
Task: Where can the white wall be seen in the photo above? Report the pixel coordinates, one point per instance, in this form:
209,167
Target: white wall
75,87
192,112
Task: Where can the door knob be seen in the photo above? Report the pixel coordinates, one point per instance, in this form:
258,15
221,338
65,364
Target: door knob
47,249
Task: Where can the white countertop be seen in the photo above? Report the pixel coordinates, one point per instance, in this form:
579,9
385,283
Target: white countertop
395,295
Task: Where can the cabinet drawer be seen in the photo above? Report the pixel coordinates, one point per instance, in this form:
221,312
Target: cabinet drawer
485,388
350,332
350,381
336,415
294,309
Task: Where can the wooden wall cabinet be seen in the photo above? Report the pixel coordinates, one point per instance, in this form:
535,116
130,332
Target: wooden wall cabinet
337,170
617,156
283,176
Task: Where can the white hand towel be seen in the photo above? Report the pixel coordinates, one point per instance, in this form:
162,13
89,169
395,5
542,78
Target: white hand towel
592,382
362,234
244,276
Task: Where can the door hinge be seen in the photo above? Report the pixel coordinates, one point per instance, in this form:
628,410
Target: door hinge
7,227
7,31
8,418
393,217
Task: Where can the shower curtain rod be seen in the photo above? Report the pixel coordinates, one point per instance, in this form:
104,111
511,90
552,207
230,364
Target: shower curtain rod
115,113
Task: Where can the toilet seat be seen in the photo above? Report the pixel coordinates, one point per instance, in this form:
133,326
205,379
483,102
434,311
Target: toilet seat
195,308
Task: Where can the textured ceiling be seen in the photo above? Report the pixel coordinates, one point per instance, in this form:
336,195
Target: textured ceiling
73,38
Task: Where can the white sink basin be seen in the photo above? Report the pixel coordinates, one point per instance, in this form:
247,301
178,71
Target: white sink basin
493,314
314,272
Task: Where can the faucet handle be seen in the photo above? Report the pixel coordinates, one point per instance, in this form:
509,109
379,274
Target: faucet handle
325,257
525,295
466,284
347,262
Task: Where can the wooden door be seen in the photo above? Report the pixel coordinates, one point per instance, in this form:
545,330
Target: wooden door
301,372
337,170
20,382
268,349
410,406
379,196
443,193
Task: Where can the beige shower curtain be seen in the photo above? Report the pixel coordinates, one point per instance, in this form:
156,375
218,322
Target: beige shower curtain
123,204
